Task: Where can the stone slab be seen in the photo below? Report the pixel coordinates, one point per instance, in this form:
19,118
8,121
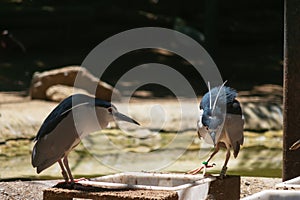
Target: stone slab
60,194
226,188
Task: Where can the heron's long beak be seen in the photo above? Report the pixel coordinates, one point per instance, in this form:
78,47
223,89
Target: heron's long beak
122,117
295,146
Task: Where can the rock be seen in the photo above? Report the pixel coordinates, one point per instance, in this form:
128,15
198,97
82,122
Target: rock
262,116
21,120
41,82
262,107
59,92
267,93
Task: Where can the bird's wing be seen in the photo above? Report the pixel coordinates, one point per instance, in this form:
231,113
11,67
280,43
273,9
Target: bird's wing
234,126
52,147
60,112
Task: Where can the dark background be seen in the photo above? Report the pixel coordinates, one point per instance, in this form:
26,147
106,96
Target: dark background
245,38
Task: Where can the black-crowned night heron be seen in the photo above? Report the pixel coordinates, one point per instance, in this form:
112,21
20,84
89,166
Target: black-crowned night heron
62,130
295,146
221,123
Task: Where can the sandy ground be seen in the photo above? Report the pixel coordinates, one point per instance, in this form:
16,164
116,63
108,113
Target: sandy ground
34,189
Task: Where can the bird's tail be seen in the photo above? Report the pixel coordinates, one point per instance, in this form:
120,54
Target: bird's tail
236,150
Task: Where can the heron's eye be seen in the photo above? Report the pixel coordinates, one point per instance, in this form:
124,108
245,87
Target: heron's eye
110,110
206,127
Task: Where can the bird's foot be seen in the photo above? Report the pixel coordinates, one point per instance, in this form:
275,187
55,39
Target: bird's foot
195,171
65,184
71,184
72,181
204,166
80,179
223,172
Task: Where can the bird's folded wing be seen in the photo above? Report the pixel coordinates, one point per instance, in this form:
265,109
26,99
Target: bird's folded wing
234,126
60,112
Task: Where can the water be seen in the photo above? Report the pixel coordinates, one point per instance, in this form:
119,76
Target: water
112,151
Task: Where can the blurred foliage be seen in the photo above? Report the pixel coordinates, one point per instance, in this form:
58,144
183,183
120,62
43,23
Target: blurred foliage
244,39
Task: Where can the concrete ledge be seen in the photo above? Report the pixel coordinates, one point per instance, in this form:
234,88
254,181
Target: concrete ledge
227,188
66,194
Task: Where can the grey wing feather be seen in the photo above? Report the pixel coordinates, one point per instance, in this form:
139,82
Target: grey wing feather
52,147
60,112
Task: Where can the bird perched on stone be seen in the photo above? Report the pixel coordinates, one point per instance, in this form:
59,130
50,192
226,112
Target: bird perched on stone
221,123
66,125
295,146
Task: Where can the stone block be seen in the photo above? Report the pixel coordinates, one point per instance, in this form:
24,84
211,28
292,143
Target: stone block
66,194
227,188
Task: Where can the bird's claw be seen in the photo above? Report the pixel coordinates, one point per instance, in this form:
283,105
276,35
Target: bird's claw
72,181
194,171
80,179
204,166
71,184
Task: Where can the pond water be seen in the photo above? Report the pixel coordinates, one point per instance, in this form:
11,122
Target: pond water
112,151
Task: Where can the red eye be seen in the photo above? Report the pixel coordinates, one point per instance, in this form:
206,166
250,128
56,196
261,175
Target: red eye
110,110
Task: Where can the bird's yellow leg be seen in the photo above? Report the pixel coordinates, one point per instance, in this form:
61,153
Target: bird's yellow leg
66,163
63,171
217,148
195,171
205,164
